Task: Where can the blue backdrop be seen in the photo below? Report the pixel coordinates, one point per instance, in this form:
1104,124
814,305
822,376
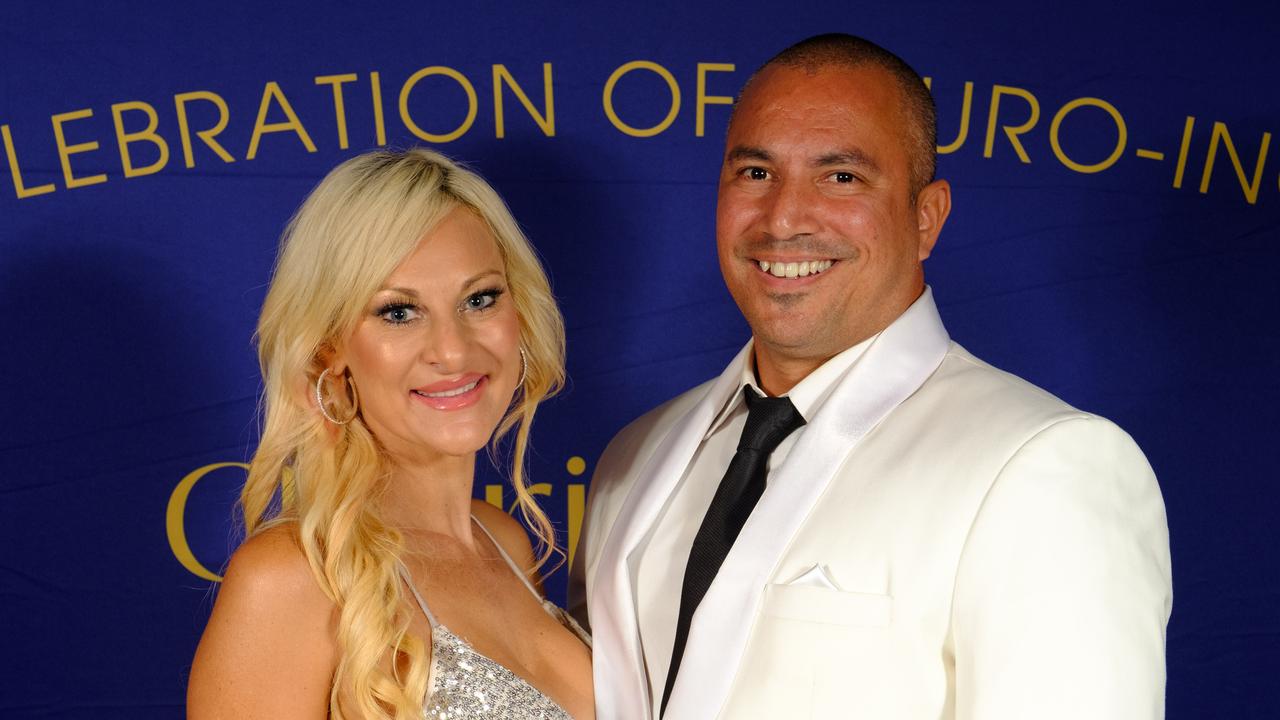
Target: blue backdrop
1115,236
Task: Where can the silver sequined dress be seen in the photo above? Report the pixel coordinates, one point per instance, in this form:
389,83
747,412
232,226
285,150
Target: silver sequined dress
465,685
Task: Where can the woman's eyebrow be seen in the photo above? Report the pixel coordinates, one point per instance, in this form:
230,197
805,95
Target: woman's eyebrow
480,276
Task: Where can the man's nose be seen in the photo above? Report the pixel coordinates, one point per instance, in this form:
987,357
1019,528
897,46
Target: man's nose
790,210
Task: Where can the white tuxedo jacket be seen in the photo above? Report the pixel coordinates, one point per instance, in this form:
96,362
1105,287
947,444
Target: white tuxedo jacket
983,551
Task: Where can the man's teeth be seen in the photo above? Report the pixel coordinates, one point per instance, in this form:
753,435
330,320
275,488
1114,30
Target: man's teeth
791,269
450,393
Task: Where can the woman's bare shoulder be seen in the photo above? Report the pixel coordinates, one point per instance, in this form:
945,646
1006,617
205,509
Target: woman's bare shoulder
270,567
270,647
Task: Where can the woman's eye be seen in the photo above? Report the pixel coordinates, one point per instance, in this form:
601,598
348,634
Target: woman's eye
482,300
398,314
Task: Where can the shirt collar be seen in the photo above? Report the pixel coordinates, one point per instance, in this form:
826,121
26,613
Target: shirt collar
808,395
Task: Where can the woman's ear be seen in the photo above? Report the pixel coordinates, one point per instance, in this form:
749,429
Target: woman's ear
331,357
327,357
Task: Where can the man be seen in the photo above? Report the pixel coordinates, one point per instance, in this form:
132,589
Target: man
858,518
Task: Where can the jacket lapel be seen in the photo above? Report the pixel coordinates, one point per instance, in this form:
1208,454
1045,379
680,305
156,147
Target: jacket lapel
894,367
622,688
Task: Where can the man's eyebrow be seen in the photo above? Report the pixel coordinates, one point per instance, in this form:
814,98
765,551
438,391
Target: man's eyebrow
850,156
746,152
853,157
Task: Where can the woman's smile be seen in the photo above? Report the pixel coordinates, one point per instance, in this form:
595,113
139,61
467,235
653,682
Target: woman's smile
450,395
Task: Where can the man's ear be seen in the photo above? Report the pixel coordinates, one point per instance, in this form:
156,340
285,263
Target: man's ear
933,205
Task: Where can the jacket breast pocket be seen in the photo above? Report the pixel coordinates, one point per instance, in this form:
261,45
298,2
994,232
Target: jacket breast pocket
828,607
815,652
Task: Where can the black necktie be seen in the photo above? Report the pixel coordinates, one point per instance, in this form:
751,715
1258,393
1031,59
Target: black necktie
769,421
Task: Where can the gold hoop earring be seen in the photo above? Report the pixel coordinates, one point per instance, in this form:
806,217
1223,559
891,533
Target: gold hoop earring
355,400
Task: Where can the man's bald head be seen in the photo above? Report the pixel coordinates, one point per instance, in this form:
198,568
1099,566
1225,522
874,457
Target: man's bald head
849,51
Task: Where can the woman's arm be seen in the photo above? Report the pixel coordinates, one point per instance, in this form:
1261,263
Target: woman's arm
269,650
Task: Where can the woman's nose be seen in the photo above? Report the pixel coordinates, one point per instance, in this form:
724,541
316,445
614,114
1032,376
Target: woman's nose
447,344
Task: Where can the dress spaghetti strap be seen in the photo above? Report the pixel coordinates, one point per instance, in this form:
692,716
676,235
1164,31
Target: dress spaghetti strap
462,682
408,580
510,563
551,608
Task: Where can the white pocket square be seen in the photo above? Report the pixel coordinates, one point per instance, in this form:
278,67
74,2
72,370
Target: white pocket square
815,576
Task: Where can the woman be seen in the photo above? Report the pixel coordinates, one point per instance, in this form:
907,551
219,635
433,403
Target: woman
408,323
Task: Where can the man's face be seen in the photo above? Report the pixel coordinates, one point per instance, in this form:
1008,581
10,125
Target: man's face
819,242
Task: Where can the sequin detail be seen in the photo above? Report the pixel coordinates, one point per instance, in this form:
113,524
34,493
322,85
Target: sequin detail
466,685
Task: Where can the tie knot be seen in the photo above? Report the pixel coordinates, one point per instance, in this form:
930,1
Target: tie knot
769,421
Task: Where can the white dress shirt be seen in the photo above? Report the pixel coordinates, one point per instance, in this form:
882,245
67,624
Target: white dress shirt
664,552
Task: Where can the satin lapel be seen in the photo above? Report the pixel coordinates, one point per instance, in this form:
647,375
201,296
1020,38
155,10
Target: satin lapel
622,688
893,368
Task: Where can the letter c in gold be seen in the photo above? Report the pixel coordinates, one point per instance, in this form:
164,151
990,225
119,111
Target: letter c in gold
175,525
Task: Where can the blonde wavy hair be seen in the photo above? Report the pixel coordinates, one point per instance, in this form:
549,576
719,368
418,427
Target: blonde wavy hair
359,223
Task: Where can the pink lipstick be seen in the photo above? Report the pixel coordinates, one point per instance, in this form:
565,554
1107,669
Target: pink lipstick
452,394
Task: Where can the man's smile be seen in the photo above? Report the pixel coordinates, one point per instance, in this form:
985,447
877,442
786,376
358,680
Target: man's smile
792,269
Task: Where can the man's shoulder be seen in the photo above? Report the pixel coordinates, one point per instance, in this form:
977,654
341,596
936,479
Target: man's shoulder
976,419
619,466
967,378
651,426
981,405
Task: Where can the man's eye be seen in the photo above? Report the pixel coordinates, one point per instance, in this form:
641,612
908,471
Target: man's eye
756,173
844,177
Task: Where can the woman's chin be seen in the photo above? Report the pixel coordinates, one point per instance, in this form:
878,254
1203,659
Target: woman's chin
418,441
459,442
